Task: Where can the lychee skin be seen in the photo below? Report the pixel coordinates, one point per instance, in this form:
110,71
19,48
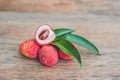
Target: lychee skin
29,48
48,55
64,56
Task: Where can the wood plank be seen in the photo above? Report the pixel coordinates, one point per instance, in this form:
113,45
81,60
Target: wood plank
103,30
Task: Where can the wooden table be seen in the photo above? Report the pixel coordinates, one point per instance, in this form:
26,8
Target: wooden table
101,29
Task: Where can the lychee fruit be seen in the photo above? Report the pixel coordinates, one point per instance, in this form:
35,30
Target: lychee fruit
64,56
48,55
29,48
44,35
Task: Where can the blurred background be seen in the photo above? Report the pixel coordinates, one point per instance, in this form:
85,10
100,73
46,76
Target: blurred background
61,6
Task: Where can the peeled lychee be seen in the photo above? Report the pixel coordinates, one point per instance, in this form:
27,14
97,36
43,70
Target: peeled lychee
48,55
29,48
44,35
64,56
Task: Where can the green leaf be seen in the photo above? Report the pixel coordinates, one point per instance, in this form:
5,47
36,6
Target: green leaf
60,37
62,31
68,48
82,41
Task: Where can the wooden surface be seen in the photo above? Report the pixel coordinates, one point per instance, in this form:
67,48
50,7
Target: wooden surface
64,6
102,29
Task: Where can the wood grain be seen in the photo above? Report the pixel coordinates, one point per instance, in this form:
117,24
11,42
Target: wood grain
102,29
62,6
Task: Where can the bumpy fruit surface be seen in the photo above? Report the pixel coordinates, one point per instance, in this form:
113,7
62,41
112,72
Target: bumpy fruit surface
29,48
64,56
44,35
48,55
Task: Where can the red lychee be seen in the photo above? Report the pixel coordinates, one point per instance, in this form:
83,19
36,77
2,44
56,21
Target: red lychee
48,55
29,48
64,56
44,35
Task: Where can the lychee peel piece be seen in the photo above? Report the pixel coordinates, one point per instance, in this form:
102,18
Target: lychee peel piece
47,37
29,48
48,55
64,56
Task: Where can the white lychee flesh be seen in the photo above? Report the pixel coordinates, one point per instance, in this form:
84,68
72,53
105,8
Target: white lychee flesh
50,37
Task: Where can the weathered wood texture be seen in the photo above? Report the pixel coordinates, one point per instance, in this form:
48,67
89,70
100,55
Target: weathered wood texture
67,6
102,30
101,25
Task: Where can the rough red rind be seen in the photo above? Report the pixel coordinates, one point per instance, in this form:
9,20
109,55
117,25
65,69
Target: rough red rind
48,55
29,48
64,56
48,42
